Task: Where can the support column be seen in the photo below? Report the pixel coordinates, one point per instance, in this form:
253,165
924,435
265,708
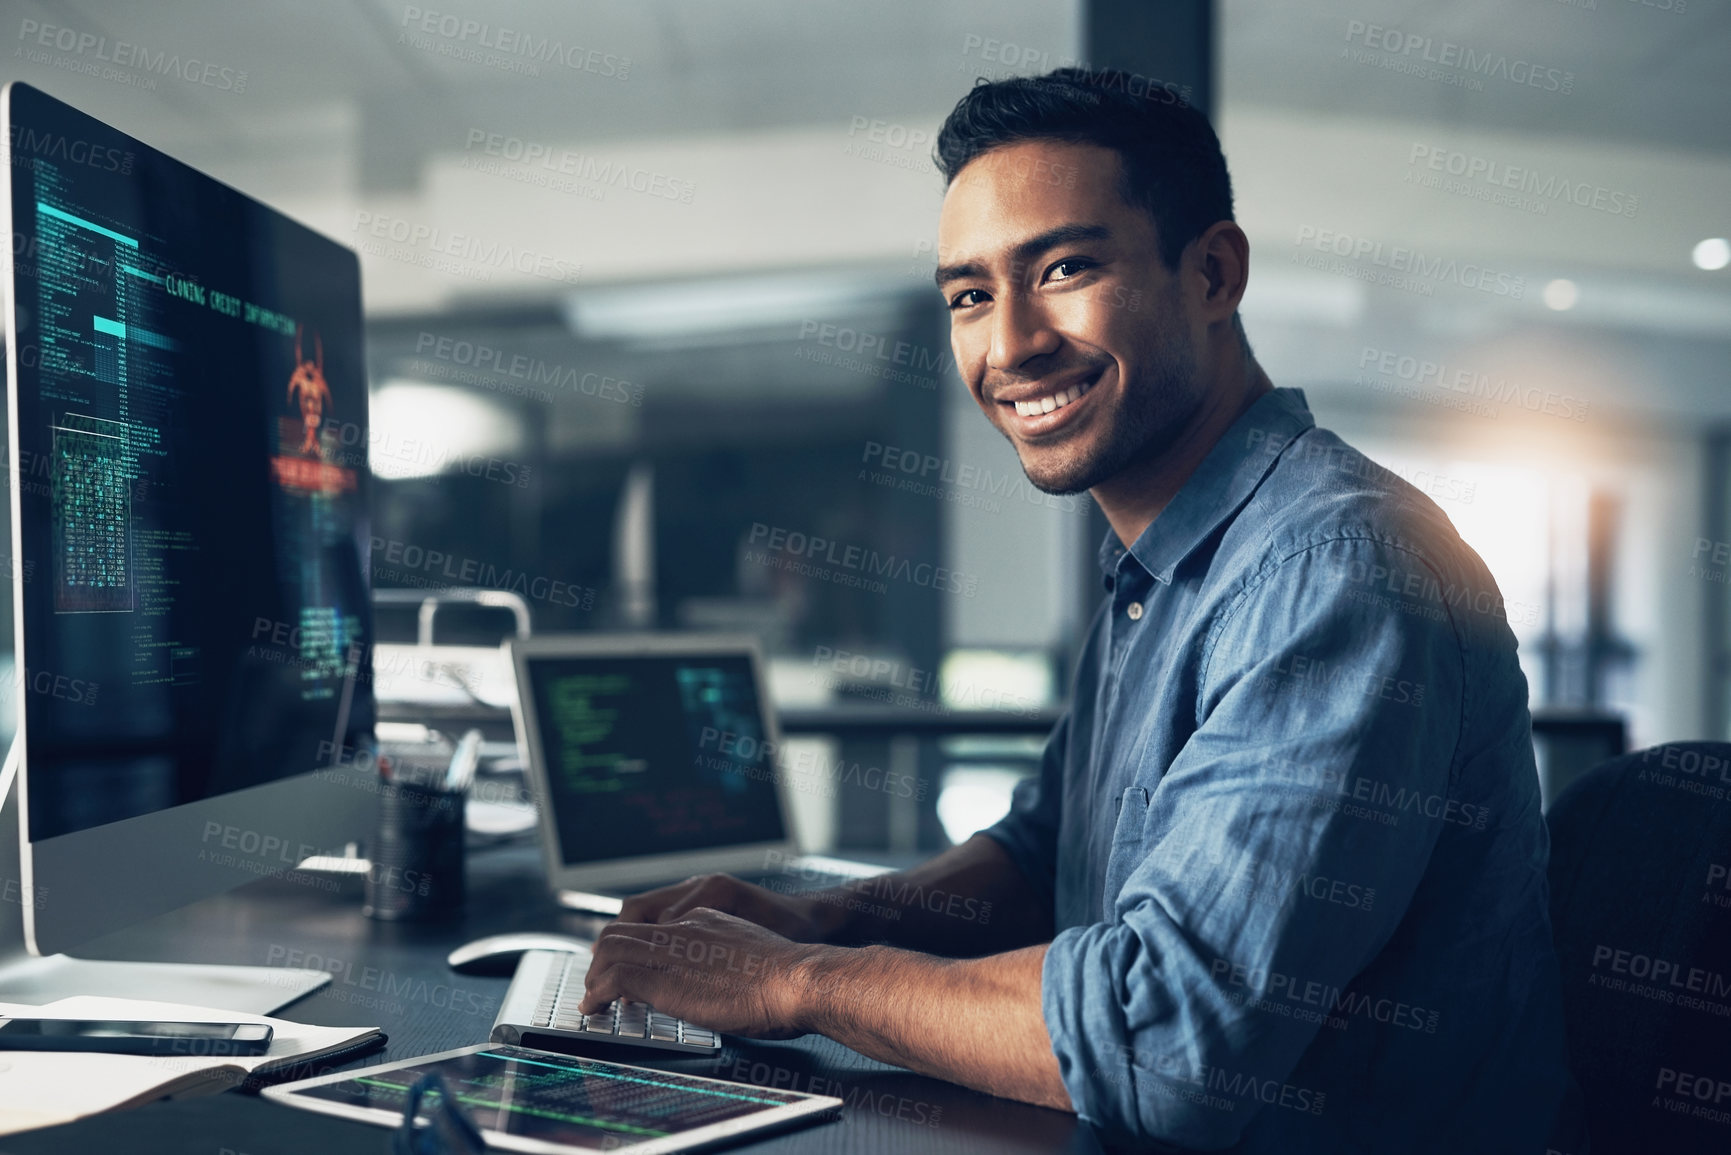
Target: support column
1166,40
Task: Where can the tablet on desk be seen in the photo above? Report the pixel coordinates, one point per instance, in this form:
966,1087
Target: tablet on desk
539,1101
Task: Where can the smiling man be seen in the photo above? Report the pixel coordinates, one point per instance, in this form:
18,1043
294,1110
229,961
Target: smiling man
1278,885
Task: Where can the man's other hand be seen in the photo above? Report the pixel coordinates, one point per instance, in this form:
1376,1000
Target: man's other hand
712,969
788,915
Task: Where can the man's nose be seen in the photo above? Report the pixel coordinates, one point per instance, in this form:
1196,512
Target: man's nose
1020,331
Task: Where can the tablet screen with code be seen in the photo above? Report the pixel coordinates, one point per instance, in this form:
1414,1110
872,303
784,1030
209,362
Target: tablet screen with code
563,1100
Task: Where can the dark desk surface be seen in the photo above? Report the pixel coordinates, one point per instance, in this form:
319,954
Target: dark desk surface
395,976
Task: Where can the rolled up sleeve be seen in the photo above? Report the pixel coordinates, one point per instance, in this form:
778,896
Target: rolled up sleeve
1264,871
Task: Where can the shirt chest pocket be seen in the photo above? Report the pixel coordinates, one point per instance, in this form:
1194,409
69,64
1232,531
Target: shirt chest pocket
1129,845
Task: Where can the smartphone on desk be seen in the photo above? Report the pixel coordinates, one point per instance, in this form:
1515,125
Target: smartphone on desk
134,1037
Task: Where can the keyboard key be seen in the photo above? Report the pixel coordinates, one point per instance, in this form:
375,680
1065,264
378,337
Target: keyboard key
625,1020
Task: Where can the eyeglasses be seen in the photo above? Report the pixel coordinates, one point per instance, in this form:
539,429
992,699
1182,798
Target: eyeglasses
448,1129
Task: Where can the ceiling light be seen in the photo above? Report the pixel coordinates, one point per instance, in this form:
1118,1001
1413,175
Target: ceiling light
720,305
1712,254
423,430
1561,294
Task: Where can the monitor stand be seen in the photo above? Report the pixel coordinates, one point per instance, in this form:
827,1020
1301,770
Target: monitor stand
37,979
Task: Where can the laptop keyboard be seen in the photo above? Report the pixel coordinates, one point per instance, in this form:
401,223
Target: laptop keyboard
623,1021
784,882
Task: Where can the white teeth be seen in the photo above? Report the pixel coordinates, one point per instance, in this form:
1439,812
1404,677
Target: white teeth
1055,401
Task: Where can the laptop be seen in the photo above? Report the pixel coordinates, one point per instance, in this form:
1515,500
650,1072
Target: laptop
654,757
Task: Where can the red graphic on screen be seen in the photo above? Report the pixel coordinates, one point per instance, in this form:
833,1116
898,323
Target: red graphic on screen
311,393
308,382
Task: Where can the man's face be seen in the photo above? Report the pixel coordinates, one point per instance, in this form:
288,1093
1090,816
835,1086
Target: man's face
1070,332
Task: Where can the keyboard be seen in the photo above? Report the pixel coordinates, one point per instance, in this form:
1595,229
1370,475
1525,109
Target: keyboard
541,1009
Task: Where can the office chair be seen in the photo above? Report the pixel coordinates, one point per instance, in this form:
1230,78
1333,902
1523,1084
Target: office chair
1640,851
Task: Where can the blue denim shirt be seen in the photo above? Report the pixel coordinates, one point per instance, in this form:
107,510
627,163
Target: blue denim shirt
1290,827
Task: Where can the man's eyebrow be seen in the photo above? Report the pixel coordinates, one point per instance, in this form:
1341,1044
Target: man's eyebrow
1025,251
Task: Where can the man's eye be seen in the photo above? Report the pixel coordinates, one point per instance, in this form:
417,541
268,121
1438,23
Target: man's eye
960,300
1074,264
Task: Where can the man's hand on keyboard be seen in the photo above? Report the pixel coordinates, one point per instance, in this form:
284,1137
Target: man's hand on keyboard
710,968
790,916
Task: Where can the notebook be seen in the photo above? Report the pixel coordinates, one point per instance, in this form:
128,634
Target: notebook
43,1088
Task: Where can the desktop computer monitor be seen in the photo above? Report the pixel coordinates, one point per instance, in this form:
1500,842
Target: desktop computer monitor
187,467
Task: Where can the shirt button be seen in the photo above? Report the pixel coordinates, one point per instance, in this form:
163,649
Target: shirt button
1134,609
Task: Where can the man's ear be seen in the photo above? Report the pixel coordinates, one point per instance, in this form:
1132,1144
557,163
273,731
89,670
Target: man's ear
1222,260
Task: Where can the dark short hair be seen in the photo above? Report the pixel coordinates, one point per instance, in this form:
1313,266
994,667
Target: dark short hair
1171,160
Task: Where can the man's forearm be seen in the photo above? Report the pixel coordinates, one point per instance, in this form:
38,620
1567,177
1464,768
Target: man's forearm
976,1022
971,900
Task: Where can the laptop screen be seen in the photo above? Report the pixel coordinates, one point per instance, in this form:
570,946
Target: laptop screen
654,754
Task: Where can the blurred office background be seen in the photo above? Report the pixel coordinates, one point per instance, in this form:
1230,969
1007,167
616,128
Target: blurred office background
649,283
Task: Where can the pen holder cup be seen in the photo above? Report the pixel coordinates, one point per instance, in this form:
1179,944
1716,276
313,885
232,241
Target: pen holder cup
417,855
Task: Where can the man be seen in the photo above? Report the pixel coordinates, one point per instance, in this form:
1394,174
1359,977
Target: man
1279,883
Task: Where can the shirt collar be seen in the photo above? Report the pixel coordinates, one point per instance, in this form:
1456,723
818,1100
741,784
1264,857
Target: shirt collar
1223,482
